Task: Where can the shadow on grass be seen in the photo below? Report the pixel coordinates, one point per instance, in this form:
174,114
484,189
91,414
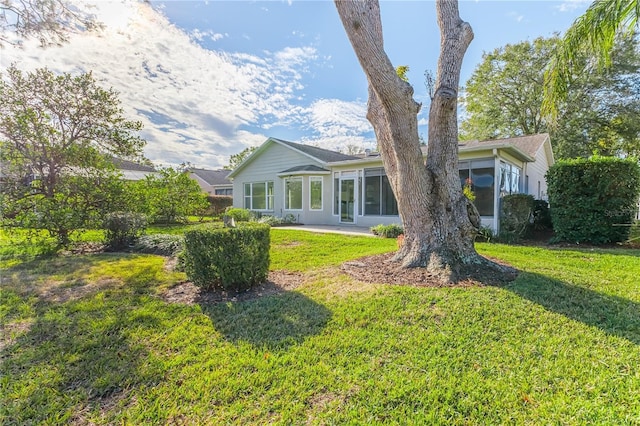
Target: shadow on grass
77,354
614,315
277,321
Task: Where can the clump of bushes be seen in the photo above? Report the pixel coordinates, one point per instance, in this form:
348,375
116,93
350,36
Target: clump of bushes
516,216
541,215
387,231
227,258
218,204
593,200
161,244
122,229
238,214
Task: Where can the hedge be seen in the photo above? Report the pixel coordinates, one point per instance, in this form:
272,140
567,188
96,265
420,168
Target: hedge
593,200
121,229
516,214
227,258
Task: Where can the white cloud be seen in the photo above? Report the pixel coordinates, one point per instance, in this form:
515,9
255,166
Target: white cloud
571,5
336,123
515,16
196,105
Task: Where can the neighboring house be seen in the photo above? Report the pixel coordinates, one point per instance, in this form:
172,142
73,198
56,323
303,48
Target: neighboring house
133,171
322,187
213,182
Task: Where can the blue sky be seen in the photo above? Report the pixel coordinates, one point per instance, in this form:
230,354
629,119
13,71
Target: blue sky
209,78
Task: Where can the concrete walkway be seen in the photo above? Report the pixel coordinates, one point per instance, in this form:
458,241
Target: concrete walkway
341,229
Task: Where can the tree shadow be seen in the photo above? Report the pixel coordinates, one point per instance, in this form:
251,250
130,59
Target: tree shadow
276,321
614,315
78,353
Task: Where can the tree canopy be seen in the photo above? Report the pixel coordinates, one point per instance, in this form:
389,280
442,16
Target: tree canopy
503,98
593,34
236,159
48,20
58,134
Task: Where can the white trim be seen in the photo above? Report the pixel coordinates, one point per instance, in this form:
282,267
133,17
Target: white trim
321,180
286,200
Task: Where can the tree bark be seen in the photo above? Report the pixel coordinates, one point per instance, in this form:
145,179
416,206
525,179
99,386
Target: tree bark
439,222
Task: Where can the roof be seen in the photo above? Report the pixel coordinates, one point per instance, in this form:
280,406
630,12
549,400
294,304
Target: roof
306,168
320,155
528,145
213,177
324,155
130,165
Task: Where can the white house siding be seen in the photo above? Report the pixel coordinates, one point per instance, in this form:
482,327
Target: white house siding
273,160
536,172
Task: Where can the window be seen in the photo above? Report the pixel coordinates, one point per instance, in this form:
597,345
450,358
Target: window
258,196
293,193
480,173
223,191
509,178
315,193
377,194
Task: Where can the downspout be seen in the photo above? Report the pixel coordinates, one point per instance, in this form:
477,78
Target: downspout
496,191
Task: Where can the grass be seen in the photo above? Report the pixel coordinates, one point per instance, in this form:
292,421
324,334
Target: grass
88,340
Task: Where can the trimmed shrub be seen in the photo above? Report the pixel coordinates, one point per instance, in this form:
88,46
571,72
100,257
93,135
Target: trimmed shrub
593,200
516,216
387,231
227,258
218,204
123,228
239,215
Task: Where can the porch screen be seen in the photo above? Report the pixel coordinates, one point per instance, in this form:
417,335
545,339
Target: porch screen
482,178
377,194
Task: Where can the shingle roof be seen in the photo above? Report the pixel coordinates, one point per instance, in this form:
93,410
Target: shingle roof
321,154
130,165
529,144
307,168
213,177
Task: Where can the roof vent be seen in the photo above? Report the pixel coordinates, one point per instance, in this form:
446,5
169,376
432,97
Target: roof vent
367,152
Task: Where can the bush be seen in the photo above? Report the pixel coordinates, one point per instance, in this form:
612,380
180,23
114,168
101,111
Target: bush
593,200
227,258
239,215
541,215
485,234
271,220
516,216
123,228
162,244
387,231
218,204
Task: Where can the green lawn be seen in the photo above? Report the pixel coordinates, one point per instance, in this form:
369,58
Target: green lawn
88,340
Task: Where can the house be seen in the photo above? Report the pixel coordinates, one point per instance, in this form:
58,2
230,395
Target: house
323,187
133,171
213,182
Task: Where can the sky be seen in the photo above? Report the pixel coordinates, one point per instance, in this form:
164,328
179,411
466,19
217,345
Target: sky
211,78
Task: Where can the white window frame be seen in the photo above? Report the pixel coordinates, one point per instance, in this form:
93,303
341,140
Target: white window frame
268,197
287,204
311,180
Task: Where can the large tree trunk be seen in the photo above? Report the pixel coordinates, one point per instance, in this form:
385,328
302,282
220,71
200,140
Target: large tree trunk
439,222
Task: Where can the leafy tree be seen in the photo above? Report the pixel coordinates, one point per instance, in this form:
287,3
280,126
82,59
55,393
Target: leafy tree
49,20
236,159
504,98
439,222
169,196
57,135
593,34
